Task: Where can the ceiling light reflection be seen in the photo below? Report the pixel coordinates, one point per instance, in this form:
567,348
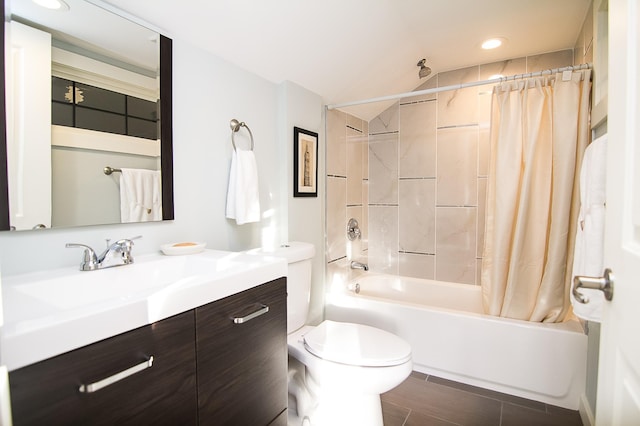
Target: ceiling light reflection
52,4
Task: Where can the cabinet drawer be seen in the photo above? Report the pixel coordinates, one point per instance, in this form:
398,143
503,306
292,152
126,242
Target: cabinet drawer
49,393
242,364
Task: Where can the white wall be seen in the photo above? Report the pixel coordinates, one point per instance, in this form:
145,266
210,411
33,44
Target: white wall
207,93
305,215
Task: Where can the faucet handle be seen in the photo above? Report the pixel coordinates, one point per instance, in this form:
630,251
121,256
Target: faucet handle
90,260
124,242
128,242
353,230
126,245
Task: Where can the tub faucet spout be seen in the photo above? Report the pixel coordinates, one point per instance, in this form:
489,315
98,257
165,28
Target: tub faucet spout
359,265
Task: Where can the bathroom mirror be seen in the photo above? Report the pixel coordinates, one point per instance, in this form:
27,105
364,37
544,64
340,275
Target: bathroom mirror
85,89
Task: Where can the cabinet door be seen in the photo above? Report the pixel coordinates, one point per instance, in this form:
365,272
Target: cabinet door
242,365
48,392
28,136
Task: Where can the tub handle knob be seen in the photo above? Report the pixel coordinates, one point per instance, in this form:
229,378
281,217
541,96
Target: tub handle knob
353,230
604,283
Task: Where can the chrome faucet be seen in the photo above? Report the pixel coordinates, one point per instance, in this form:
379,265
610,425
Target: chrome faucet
116,254
359,265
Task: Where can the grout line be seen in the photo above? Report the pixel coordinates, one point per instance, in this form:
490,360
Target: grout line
416,252
418,178
481,395
501,411
457,126
421,101
390,132
406,419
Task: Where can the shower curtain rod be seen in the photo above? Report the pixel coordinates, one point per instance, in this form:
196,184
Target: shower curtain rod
460,86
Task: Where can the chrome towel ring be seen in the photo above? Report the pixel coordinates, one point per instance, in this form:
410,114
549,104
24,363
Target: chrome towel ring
235,126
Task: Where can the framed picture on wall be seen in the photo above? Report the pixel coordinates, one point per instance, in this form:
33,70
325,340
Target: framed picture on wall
305,163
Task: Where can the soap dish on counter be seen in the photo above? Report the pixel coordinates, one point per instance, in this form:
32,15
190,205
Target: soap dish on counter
178,249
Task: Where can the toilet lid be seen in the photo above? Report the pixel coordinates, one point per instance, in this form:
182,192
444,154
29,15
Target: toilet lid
356,344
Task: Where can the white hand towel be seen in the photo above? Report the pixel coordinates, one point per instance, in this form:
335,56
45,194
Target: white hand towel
243,199
140,195
589,249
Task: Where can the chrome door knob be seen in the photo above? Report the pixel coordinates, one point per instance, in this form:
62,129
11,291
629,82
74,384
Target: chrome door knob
604,283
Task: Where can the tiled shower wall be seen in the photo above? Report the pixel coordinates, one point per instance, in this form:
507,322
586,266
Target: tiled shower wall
347,179
416,180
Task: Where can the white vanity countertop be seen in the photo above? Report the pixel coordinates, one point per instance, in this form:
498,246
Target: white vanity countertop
51,312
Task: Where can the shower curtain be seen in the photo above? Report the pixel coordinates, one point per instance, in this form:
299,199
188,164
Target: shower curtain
539,131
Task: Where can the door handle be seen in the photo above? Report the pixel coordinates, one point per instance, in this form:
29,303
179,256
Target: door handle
604,283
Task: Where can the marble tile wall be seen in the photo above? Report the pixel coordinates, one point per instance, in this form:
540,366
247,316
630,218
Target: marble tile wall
347,184
415,177
583,51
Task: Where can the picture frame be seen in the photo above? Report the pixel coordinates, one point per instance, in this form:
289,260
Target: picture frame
305,163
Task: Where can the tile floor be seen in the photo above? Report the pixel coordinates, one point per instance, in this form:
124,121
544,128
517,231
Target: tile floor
423,400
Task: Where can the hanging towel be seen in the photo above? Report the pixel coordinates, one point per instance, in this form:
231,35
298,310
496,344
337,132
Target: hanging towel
140,195
589,249
243,200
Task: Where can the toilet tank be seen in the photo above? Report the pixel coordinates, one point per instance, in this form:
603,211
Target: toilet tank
299,256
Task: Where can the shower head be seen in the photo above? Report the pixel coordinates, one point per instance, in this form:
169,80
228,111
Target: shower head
424,70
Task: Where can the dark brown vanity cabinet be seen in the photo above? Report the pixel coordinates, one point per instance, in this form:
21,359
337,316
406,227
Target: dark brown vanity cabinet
224,363
48,392
242,357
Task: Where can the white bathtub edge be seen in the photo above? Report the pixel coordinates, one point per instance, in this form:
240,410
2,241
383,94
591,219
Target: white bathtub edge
568,402
568,372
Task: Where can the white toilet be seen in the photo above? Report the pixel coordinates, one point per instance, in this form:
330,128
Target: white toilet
337,371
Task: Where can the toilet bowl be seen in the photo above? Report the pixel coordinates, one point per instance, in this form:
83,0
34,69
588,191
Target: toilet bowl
366,358
345,367
337,370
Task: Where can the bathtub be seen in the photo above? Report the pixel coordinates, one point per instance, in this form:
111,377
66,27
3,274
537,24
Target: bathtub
451,337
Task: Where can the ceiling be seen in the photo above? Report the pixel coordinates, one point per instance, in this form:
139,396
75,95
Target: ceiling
346,50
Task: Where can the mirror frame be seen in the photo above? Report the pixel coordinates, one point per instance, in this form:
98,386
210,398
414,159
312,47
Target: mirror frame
166,126
4,180
166,131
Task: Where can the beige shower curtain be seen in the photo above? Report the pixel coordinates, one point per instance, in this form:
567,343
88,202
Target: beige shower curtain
539,131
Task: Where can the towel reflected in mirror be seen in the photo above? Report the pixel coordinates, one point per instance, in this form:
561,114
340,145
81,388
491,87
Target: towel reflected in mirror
140,195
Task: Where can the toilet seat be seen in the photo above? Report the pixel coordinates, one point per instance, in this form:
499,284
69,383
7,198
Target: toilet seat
356,344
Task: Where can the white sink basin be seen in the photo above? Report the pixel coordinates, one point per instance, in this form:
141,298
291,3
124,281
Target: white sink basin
52,312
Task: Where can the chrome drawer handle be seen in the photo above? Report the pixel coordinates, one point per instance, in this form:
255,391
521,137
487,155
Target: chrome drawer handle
93,387
261,311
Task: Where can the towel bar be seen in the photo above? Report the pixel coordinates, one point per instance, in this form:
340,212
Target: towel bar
235,126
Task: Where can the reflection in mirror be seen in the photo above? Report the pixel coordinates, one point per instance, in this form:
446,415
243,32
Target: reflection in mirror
85,89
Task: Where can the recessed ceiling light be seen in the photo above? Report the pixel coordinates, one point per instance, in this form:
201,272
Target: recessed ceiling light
492,43
52,4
